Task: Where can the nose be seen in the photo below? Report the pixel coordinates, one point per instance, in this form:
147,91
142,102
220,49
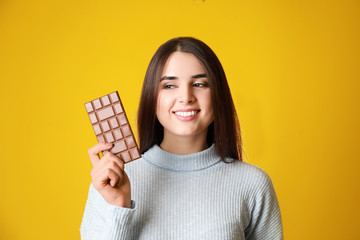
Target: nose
186,95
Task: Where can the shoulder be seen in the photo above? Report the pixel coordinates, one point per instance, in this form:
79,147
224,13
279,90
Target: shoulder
252,184
248,179
246,171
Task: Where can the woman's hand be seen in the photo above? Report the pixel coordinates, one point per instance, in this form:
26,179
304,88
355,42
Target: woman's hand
108,176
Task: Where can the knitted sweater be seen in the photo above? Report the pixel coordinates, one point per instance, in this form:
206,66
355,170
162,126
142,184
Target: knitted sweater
194,196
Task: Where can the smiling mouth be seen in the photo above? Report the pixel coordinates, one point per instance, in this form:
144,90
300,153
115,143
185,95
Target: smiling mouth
187,114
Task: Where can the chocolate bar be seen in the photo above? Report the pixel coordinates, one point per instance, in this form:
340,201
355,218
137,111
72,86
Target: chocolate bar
111,125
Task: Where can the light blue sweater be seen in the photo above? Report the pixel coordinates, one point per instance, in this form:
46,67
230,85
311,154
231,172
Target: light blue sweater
194,196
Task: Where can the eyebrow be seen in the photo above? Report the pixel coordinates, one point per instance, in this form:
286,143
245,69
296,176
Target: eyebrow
202,75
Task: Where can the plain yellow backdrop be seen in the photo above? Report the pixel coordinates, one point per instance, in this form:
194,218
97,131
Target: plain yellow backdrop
293,68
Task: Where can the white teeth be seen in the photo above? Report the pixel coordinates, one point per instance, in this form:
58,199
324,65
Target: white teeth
186,114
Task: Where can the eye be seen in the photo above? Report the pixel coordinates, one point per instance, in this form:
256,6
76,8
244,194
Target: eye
169,86
200,85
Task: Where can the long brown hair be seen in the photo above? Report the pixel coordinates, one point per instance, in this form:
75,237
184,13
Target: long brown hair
224,131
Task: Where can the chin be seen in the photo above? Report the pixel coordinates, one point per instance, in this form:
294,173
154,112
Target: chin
187,133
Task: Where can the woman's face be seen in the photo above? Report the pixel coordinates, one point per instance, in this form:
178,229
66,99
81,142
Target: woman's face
184,102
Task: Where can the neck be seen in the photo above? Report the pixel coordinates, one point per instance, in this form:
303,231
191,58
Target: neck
184,145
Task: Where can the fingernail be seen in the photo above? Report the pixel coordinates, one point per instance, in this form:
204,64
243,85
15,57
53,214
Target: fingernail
108,144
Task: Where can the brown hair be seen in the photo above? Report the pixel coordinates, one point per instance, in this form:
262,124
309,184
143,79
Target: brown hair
224,131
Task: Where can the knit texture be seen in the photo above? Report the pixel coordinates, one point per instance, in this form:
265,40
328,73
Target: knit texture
194,196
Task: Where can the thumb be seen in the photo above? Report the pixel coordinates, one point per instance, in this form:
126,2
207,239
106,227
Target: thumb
95,150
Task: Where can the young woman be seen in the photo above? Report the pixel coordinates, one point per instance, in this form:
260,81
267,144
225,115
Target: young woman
191,182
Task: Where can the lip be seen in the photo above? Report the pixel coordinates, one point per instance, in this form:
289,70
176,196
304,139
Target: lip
187,118
186,110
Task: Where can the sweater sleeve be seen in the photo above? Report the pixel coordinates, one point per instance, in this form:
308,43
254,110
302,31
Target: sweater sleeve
102,220
265,222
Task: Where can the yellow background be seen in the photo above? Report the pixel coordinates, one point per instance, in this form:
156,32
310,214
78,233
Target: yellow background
293,68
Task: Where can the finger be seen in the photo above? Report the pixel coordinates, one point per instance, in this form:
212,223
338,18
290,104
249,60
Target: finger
95,150
114,166
117,160
113,177
107,163
110,157
123,179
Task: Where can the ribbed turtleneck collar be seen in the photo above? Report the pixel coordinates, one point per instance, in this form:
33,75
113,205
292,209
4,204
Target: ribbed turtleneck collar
175,162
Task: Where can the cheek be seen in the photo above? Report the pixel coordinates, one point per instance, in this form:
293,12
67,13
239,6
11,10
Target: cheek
206,99
158,105
211,113
209,106
161,104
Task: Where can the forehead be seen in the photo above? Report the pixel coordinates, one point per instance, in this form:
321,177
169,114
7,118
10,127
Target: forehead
182,63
